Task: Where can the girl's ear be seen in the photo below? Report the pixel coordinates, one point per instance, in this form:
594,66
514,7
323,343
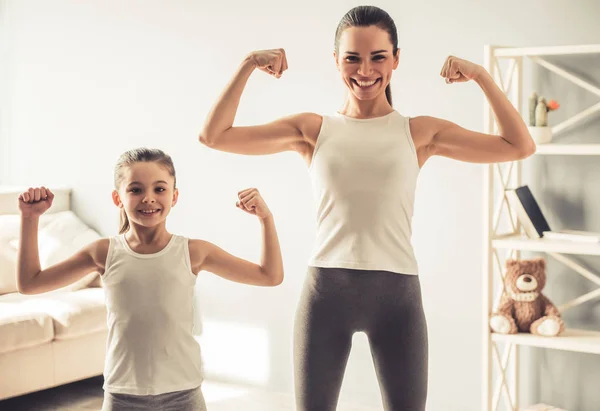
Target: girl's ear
337,64
117,199
175,197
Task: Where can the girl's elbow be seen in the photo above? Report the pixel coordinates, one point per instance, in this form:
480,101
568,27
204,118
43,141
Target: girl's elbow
25,289
275,279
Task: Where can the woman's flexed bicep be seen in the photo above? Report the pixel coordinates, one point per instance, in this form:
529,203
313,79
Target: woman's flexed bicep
434,136
291,133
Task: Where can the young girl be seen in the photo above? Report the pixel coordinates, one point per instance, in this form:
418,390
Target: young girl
153,360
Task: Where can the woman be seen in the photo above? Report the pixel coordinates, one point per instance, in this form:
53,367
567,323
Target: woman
364,162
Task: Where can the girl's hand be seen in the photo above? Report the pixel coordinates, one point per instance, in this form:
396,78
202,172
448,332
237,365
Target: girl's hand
252,202
457,70
272,61
35,201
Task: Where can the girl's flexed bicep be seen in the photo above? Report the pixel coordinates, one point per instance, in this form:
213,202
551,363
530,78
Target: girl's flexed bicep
206,256
31,279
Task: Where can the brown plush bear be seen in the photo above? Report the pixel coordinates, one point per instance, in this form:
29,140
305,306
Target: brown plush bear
523,307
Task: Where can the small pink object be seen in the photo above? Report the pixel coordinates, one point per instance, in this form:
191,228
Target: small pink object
552,105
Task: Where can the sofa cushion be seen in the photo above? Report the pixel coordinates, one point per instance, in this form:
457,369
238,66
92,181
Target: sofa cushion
9,234
22,326
9,231
8,268
74,313
82,312
60,236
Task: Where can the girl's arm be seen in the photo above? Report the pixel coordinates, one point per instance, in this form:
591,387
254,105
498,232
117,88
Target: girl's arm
292,133
31,279
435,136
209,257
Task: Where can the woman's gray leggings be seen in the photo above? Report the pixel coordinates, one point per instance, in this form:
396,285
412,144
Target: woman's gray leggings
387,307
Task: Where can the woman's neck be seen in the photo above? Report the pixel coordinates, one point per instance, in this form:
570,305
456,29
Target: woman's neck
366,108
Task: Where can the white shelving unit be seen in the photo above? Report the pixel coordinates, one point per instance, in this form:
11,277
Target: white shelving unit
500,371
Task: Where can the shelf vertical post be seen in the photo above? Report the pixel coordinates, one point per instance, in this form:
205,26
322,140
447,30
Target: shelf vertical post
517,100
488,263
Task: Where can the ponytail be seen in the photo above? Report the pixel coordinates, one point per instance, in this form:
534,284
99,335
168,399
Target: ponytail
388,94
124,222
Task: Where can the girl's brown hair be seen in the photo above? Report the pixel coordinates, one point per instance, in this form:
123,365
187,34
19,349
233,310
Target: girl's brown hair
139,155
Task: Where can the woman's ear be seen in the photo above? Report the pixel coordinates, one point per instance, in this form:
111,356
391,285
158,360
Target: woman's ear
117,199
337,64
396,59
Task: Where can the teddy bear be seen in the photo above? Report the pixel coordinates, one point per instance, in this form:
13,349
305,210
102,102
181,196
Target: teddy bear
523,307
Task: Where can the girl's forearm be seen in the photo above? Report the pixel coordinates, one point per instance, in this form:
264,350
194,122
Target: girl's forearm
28,262
271,260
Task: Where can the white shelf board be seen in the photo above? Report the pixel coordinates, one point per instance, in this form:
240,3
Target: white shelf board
547,51
516,242
568,149
570,340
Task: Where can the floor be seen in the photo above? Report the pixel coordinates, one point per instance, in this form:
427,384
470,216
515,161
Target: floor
87,395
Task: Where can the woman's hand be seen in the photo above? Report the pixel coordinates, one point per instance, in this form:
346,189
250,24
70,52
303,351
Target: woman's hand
456,70
273,62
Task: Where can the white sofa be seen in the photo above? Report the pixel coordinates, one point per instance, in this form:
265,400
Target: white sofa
57,337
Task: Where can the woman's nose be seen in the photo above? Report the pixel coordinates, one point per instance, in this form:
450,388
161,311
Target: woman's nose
365,67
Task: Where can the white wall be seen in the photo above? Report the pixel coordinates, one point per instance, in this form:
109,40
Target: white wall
88,80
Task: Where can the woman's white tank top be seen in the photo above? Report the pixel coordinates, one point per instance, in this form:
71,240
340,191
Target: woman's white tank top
364,175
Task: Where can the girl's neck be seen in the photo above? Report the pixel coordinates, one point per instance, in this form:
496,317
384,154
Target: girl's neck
377,107
147,236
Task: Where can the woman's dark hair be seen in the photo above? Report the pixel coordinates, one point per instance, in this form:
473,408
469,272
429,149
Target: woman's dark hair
365,16
139,155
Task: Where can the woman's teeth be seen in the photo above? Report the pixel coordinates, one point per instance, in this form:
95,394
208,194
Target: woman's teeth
365,83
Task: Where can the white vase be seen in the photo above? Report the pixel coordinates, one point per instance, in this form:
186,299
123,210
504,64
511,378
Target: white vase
541,135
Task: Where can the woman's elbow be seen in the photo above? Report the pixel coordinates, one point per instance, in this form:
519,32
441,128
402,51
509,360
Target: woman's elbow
526,150
206,139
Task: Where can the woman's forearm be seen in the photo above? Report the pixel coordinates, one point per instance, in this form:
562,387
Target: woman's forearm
510,124
222,114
